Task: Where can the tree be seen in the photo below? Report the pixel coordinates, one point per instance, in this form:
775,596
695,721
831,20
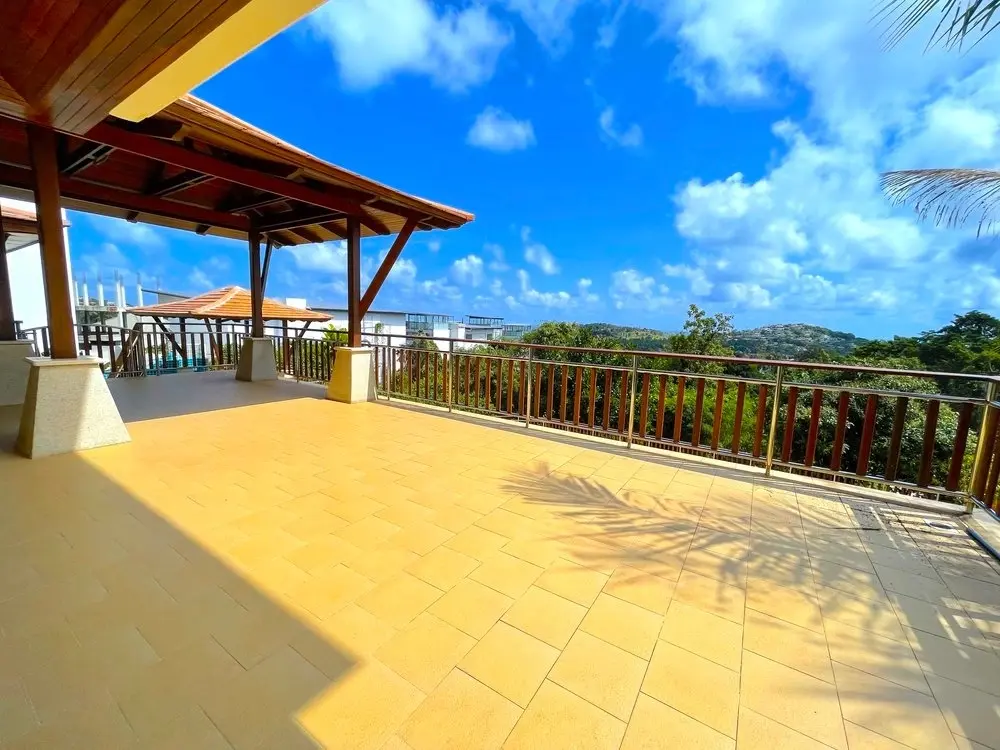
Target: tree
951,197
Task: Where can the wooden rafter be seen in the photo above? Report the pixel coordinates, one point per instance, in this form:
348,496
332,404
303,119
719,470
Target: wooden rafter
267,265
177,183
334,230
210,165
83,157
170,335
386,266
307,234
296,219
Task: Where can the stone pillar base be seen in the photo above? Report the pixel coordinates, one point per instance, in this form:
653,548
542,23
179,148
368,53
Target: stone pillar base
67,407
353,377
14,371
257,360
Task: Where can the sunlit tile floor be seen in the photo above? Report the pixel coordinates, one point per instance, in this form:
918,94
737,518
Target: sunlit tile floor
297,573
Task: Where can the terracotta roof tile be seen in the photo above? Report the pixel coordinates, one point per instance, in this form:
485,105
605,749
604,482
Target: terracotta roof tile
227,303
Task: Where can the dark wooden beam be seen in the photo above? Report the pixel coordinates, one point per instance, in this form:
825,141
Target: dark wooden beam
256,285
387,263
132,216
307,234
7,330
177,183
295,219
103,195
236,205
155,128
267,265
170,336
202,229
302,331
334,230
181,157
58,290
85,156
353,282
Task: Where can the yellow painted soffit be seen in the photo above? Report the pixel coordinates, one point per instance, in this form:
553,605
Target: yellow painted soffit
246,29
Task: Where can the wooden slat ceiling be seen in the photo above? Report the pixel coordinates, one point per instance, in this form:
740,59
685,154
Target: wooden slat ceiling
197,168
69,63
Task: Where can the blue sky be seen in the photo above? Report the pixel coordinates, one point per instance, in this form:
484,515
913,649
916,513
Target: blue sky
623,159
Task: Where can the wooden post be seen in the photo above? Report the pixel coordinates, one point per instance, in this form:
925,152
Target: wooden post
58,292
7,332
353,282
256,285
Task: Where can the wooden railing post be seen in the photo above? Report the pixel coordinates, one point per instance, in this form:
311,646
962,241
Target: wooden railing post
987,429
527,401
778,382
631,399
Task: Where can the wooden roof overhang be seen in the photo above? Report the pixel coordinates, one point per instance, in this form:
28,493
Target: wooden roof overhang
227,303
195,167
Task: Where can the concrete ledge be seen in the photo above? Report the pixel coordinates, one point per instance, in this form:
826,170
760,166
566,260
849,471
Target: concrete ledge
14,371
257,361
67,407
352,379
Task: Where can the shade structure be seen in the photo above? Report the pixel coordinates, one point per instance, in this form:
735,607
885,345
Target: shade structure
227,303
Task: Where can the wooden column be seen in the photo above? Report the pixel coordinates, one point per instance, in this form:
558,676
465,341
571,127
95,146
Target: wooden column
58,292
353,282
256,285
6,303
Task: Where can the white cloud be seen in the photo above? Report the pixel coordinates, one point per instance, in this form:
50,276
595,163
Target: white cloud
552,300
439,289
108,258
631,289
403,271
434,245
496,130
696,277
549,20
499,262
630,137
374,40
199,280
468,270
537,254
142,236
329,257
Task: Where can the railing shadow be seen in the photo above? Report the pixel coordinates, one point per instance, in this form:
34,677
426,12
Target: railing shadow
119,629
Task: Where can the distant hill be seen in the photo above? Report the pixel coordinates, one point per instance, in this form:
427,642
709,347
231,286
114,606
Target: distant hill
782,341
792,340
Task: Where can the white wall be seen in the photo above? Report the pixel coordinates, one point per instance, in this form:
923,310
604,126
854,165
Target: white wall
27,283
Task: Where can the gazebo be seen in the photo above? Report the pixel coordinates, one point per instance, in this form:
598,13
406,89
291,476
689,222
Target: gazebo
74,133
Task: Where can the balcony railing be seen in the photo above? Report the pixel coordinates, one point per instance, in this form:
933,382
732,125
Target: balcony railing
928,433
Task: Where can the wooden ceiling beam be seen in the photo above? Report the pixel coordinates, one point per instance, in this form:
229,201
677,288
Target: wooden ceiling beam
102,195
386,266
85,156
178,183
181,157
235,205
334,230
296,219
307,234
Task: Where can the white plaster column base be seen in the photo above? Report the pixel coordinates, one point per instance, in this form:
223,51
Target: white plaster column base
352,379
257,360
67,407
14,371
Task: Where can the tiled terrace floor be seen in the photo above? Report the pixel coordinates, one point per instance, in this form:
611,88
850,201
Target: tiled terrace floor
302,574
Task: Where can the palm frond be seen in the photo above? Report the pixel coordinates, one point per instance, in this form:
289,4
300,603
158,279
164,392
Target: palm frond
959,19
948,197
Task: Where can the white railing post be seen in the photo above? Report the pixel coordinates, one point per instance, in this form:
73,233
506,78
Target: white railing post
631,399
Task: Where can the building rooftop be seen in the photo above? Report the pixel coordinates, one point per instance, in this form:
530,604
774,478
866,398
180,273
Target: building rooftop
226,303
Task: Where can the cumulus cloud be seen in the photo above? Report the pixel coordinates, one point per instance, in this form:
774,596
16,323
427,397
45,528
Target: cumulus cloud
497,130
374,40
199,280
552,300
630,137
537,254
499,262
631,289
329,257
468,270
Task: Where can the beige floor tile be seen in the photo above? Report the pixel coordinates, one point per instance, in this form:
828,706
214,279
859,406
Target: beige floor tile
878,617
461,714
757,732
476,542
955,661
454,518
711,596
399,600
382,562
601,673
792,605
694,686
715,638
420,537
471,607
947,619
546,616
891,710
323,552
622,624
882,657
724,569
648,591
571,581
557,719
913,584
655,725
425,651
537,551
511,662
857,583
792,698
442,567
507,574
970,713
361,710
859,738
356,630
